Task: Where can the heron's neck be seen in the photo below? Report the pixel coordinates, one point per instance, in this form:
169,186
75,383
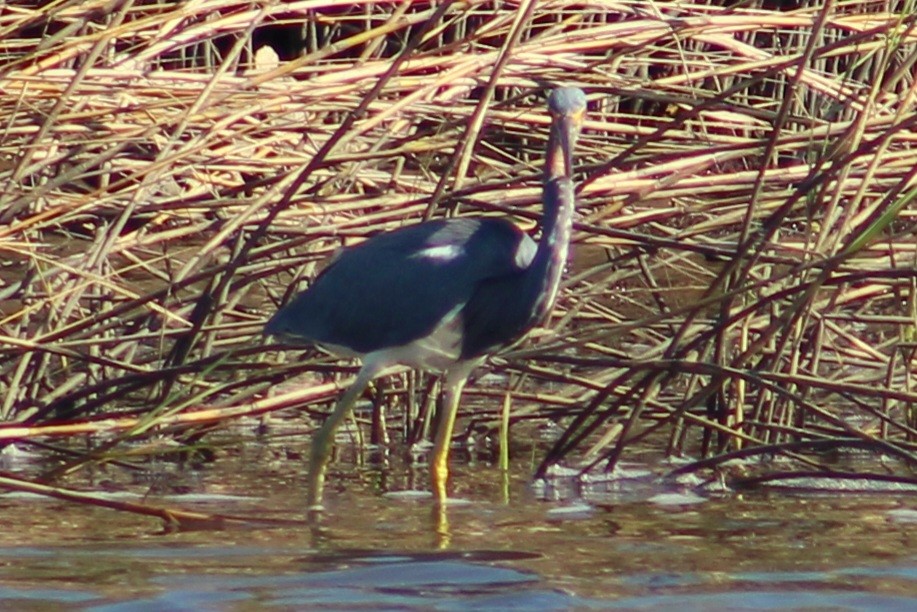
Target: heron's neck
554,164
556,228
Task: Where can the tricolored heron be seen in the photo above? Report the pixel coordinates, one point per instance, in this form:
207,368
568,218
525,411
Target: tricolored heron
440,295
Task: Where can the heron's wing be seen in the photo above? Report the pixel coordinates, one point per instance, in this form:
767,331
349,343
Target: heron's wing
396,287
501,310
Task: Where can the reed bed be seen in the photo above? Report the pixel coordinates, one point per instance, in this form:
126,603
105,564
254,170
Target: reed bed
744,284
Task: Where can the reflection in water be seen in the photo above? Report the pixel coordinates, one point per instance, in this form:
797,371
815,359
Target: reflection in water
377,547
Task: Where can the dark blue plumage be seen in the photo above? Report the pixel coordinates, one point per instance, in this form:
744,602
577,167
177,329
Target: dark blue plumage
504,307
439,295
419,274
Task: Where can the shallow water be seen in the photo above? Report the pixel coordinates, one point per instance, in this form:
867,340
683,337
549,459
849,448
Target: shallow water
633,545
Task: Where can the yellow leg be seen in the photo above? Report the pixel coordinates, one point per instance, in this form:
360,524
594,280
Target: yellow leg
504,446
453,383
323,441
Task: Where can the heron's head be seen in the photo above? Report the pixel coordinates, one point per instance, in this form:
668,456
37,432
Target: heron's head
567,106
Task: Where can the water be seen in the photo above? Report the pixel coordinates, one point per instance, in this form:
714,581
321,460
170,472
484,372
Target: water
632,545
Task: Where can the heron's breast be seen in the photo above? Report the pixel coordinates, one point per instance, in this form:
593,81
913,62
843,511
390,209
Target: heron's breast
437,351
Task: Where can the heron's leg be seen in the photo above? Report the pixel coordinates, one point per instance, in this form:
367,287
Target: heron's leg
453,382
324,438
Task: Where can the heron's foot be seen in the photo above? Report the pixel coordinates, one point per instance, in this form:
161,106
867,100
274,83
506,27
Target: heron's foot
315,515
439,476
441,528
316,490
318,464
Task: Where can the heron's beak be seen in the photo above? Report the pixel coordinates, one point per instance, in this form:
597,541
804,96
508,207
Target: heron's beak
569,129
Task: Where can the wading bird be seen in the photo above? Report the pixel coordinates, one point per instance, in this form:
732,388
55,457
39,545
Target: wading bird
440,295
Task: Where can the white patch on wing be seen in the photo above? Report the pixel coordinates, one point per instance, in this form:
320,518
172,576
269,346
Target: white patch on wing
444,252
525,253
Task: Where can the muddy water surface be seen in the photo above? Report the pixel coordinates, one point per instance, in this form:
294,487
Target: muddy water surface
630,545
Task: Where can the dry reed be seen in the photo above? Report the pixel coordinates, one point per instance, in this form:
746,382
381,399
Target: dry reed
745,281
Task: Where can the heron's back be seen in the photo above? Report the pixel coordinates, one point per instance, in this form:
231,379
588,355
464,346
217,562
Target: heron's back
400,286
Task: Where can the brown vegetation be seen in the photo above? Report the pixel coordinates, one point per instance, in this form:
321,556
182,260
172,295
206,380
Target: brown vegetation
745,282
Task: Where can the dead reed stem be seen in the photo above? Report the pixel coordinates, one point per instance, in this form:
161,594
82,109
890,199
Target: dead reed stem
746,244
